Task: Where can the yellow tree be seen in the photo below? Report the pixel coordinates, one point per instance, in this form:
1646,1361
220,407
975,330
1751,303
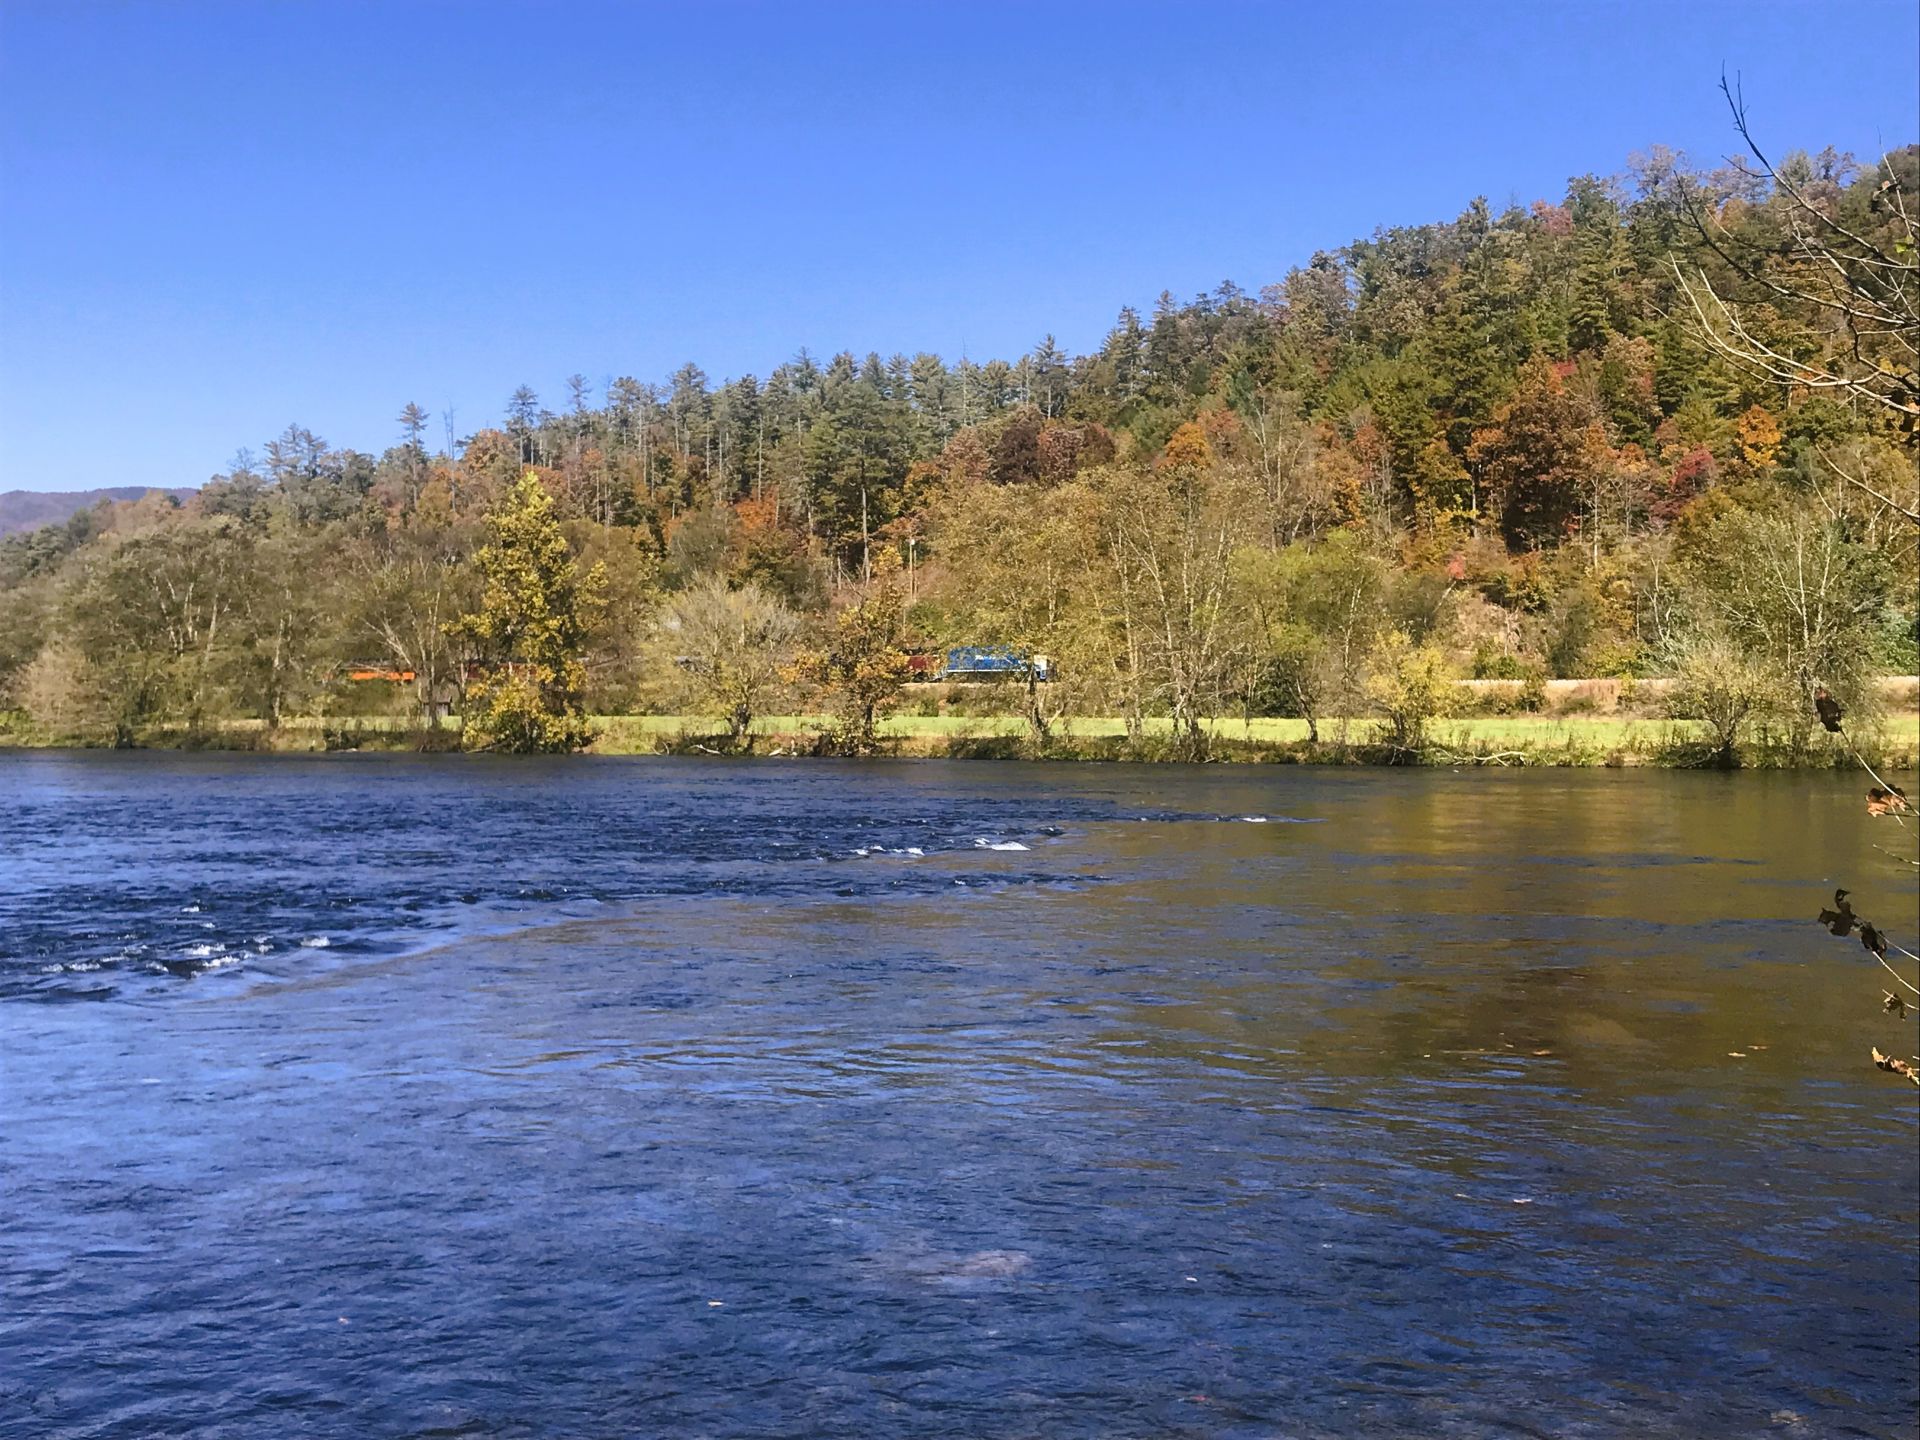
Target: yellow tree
1758,434
530,632
862,665
1012,558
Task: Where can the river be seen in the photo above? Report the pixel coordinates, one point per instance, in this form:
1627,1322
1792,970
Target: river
410,1096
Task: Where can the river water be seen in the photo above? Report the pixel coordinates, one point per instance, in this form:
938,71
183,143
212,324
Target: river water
395,1096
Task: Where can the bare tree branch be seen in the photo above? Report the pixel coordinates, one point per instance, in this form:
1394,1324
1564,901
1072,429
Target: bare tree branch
1866,288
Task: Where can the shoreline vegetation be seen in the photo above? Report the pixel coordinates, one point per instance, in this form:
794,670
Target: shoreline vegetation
1581,724
1389,510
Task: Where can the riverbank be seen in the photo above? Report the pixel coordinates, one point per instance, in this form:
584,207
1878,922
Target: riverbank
1564,741
1892,742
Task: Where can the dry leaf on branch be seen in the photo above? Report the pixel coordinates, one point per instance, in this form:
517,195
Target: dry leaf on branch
1896,1065
1890,801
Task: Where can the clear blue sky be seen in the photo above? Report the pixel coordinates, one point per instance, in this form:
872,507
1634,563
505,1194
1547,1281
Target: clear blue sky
216,218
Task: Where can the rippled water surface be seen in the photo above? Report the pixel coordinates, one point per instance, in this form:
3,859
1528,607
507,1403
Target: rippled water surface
381,1096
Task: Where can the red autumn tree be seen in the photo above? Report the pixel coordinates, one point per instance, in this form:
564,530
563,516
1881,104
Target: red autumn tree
1533,459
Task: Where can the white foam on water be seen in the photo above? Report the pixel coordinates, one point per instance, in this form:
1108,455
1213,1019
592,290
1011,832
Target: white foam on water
189,909
970,1270
315,942
985,844
206,951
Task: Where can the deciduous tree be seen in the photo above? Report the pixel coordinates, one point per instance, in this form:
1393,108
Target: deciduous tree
859,667
530,631
728,650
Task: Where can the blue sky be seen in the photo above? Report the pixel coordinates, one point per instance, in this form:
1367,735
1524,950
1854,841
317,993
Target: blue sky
216,218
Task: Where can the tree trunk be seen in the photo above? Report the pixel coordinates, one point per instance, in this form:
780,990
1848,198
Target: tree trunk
1036,716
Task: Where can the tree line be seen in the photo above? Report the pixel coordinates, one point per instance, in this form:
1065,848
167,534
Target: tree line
1623,433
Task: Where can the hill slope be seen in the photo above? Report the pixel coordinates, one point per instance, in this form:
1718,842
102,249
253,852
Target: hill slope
30,509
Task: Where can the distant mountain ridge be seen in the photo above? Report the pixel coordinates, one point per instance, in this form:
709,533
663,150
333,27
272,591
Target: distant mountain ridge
30,509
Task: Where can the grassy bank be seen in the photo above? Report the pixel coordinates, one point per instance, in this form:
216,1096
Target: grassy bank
1582,740
1892,742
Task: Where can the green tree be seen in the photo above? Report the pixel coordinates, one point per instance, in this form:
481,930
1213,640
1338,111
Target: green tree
857,456
1287,661
287,607
1313,613
404,589
156,617
1793,591
530,632
1013,559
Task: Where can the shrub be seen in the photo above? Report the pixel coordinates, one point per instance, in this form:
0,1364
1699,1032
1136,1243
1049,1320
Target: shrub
1411,686
1533,691
1721,685
1489,664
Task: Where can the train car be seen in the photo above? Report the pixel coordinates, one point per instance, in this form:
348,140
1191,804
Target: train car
994,662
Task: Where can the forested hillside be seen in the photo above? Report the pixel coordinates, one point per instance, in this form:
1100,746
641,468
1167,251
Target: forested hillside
1617,433
33,509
